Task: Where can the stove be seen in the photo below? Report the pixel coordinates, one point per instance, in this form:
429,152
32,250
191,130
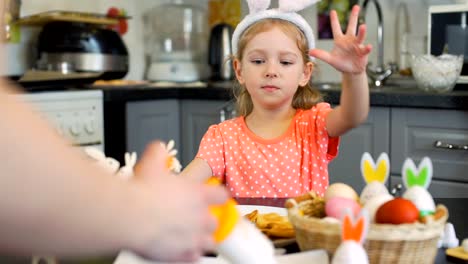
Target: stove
77,115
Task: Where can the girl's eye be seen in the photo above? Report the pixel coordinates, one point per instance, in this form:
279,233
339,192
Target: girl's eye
257,61
286,62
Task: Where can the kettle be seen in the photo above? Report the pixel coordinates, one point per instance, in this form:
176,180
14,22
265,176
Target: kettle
219,52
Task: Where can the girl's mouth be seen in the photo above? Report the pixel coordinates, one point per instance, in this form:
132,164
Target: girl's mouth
270,88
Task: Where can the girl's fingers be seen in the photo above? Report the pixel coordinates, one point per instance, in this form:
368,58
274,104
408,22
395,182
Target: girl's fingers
321,55
335,24
362,31
364,49
353,20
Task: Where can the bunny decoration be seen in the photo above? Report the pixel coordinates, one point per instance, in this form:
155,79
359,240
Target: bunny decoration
353,234
126,171
173,163
416,181
112,165
258,10
375,174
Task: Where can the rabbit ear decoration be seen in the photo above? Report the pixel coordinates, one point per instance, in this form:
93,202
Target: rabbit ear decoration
295,5
420,176
130,159
375,171
286,11
354,229
257,5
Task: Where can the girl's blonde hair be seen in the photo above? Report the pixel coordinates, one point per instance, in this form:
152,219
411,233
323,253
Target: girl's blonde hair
305,97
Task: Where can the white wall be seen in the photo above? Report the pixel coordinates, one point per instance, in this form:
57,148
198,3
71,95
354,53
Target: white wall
19,54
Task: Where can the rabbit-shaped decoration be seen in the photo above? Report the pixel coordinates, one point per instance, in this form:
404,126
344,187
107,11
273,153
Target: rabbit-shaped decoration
126,171
416,181
173,163
353,234
109,164
258,10
375,174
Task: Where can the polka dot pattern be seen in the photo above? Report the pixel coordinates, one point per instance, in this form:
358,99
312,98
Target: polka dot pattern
287,166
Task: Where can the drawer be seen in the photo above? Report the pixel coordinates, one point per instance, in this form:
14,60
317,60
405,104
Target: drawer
441,189
414,132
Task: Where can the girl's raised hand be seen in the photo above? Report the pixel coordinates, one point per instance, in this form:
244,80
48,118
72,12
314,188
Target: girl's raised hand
349,54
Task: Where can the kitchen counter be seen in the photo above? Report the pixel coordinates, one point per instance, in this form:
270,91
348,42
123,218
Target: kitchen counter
391,96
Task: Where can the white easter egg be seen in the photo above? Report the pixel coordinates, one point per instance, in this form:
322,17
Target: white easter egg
350,252
421,198
372,189
375,202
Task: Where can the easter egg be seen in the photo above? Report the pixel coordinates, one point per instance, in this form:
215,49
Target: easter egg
421,198
335,207
371,190
340,190
397,211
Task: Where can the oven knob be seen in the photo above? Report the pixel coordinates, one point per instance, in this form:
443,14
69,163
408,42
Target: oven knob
90,127
75,129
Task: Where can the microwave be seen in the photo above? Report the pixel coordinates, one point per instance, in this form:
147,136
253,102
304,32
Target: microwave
448,33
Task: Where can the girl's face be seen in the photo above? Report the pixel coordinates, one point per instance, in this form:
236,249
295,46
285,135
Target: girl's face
272,69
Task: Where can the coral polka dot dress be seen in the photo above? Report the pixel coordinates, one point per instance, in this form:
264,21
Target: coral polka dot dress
287,166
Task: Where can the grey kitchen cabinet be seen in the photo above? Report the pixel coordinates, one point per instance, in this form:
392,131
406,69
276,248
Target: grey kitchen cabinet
184,121
197,116
408,133
441,189
372,136
414,133
152,120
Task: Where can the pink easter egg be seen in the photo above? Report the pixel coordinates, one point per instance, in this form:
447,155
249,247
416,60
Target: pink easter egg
335,206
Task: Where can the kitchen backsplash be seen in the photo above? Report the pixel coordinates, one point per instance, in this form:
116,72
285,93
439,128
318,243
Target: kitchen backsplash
19,54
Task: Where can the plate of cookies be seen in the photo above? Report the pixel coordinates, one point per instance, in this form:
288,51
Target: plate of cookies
272,221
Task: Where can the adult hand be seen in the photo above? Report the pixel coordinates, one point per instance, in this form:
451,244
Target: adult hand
182,226
349,54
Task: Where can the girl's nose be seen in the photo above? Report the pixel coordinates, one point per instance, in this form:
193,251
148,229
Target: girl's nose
271,71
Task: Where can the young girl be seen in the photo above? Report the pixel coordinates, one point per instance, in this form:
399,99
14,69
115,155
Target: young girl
281,144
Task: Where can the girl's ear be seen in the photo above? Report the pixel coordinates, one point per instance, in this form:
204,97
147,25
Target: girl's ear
308,69
238,70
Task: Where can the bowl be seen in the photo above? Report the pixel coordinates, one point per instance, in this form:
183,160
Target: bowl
436,73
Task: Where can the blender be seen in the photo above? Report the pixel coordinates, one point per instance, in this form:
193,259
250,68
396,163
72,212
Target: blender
176,42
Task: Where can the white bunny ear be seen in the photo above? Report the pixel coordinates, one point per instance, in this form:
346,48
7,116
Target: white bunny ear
170,144
132,159
257,5
294,5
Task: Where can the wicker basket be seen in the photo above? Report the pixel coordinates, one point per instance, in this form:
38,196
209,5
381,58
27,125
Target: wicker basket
406,243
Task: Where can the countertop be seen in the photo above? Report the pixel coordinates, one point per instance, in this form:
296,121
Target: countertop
388,96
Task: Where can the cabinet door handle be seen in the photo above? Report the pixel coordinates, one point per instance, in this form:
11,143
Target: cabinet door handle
443,145
396,189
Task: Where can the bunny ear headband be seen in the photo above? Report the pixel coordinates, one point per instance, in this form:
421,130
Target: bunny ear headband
286,11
